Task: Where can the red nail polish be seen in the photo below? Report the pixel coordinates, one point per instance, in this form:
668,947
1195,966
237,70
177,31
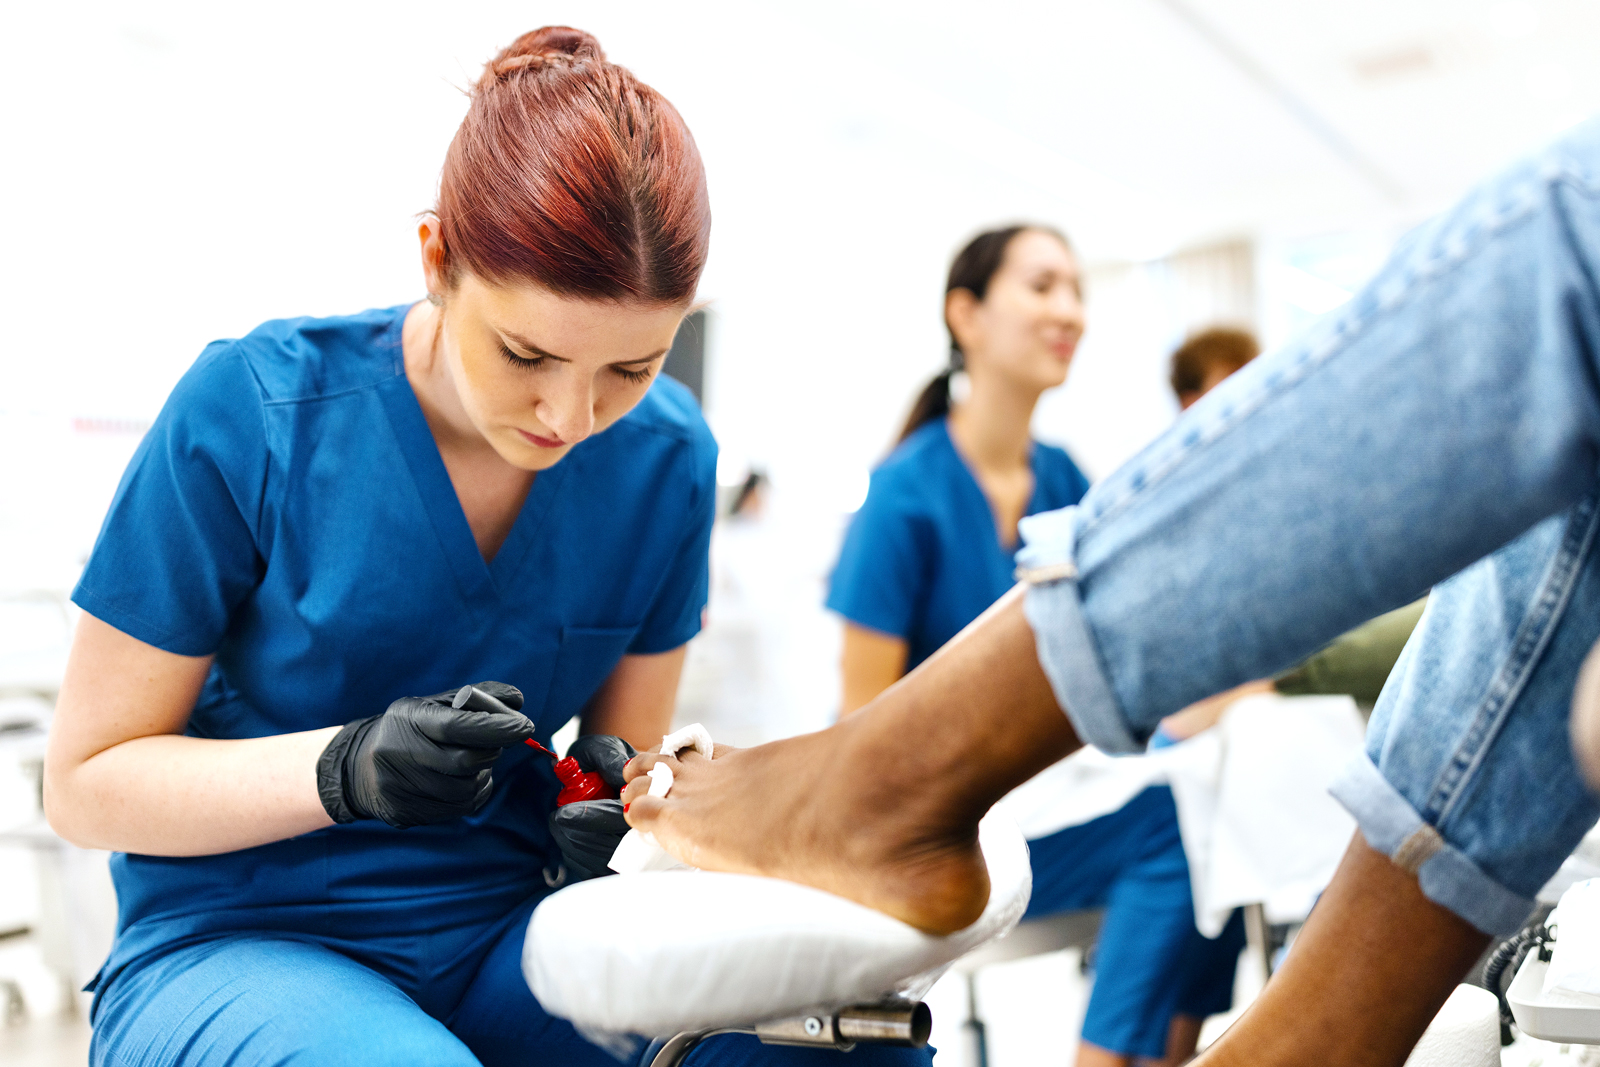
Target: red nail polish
625,808
578,784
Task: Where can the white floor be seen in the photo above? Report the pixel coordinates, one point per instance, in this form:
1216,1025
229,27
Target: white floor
53,1030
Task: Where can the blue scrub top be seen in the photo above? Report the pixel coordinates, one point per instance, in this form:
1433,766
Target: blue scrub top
923,556
290,513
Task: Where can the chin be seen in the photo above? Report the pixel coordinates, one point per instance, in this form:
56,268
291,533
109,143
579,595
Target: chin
524,456
543,458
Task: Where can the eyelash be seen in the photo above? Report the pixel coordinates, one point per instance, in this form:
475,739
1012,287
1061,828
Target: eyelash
520,363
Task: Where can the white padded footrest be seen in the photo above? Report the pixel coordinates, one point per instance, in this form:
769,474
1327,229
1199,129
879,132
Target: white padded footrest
662,952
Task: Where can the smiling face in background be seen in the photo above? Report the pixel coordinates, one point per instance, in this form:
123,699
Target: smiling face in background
1027,326
537,372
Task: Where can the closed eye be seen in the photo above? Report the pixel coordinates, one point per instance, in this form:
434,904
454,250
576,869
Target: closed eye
520,362
643,374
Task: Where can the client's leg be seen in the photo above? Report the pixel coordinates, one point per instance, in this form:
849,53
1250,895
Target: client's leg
255,1000
1369,970
1207,561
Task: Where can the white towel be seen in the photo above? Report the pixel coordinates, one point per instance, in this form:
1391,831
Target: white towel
1257,822
1465,1033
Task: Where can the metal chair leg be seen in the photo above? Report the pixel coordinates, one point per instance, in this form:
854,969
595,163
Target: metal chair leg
977,1033
892,1022
1258,936
674,1052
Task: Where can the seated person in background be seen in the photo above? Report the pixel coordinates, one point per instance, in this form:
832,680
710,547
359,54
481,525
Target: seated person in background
931,549
1206,358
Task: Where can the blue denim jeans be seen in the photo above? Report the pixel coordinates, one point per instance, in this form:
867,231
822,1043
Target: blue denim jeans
1445,422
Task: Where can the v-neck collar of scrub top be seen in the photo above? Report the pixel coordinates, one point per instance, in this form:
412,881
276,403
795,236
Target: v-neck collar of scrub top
1033,505
477,577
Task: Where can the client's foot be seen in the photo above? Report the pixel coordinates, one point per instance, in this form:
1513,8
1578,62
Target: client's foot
883,808
807,811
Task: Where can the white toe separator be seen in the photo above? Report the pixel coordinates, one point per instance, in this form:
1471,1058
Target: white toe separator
638,853
692,736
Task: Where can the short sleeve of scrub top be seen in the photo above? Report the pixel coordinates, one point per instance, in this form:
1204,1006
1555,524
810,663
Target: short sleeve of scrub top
922,557
185,516
289,514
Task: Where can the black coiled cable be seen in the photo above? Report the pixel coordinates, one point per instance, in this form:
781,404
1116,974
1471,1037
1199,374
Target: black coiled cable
1508,958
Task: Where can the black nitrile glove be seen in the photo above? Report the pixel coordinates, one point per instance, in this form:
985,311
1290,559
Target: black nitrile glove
603,753
589,831
422,761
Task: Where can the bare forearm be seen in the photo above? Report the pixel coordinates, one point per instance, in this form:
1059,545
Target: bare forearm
870,662
636,703
170,795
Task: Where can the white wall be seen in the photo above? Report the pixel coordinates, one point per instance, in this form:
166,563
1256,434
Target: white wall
178,172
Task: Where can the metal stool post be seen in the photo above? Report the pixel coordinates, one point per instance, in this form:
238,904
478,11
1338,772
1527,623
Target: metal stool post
901,1023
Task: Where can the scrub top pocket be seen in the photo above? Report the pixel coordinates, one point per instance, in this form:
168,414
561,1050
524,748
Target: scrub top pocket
588,655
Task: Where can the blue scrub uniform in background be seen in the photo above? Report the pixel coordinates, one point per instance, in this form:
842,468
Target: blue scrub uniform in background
921,560
922,557
289,513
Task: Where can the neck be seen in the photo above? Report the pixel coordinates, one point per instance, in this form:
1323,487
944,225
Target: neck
422,347
991,425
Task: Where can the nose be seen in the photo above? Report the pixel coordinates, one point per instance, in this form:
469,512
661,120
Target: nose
1067,308
566,406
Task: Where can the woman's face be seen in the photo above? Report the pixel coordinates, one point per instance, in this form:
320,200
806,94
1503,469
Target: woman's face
538,372
1026,328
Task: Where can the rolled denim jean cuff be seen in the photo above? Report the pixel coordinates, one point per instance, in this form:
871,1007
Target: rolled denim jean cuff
1447,877
1066,648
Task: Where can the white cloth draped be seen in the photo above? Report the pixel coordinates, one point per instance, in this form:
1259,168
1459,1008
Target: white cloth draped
1257,822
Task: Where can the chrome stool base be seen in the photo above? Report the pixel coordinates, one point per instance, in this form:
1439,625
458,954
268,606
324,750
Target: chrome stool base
903,1023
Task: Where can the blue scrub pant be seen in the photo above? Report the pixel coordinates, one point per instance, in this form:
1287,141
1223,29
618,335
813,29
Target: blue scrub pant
1151,963
251,999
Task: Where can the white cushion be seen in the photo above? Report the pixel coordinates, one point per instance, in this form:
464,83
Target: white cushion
661,952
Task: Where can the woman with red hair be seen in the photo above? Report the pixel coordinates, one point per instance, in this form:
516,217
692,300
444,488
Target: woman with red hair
331,516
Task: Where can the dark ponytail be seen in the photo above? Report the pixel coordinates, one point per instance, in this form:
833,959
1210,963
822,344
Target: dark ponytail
973,269
932,403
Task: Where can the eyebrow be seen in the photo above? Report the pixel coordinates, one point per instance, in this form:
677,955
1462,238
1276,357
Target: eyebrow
527,345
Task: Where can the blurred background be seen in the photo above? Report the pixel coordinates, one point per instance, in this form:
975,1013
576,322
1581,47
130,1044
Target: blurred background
181,172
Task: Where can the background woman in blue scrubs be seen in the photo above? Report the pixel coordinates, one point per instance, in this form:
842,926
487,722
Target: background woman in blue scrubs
331,518
931,549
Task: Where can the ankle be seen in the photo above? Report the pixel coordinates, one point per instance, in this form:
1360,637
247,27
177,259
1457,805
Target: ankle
913,788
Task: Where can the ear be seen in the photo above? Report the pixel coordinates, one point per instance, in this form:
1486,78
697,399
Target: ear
961,315
431,238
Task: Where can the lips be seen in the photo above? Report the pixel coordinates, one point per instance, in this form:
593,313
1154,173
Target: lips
542,442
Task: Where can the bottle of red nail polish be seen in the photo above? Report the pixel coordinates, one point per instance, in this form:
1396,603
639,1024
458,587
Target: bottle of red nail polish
578,784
